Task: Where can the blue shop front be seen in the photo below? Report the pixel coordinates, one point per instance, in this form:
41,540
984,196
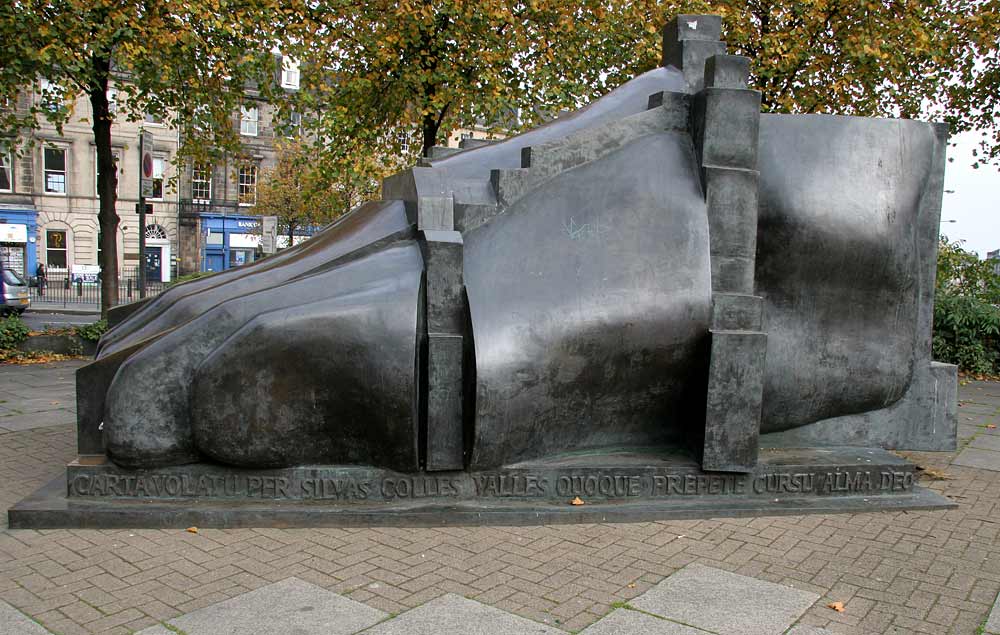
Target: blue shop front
18,239
230,241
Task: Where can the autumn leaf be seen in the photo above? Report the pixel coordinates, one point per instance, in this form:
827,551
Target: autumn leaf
192,530
836,606
576,501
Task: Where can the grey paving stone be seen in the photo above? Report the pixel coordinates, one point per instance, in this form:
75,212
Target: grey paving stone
454,615
283,608
14,622
809,630
966,430
975,457
635,623
726,603
986,442
993,624
30,421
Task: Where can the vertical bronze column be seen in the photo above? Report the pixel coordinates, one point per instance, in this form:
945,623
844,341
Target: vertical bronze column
442,361
725,119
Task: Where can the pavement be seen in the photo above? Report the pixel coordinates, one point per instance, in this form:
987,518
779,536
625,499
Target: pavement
935,572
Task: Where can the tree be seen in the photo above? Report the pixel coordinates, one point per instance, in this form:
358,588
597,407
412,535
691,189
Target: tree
301,197
966,310
187,62
431,66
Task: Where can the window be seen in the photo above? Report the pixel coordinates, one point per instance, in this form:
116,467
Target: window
403,140
248,185
153,119
6,174
156,232
467,135
50,95
55,170
55,248
201,183
294,124
112,100
97,171
158,165
249,117
289,72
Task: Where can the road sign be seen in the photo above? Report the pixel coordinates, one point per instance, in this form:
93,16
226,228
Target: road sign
146,165
269,231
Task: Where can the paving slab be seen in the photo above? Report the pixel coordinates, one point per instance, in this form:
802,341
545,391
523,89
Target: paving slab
287,607
993,623
622,621
726,603
809,630
32,420
976,457
452,614
14,622
986,442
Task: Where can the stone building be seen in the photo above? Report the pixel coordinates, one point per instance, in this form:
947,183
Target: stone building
48,194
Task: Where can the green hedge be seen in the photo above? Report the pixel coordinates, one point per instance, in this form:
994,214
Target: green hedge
13,331
966,311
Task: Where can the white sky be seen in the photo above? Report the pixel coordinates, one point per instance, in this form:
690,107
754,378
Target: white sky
975,203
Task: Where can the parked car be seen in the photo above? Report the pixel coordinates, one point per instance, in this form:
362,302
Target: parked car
15,293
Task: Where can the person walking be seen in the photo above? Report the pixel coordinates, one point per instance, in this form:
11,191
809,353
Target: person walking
40,277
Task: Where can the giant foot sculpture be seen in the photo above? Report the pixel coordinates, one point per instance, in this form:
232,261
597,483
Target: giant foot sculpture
664,268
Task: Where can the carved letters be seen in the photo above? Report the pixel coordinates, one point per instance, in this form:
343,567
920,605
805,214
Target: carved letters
517,484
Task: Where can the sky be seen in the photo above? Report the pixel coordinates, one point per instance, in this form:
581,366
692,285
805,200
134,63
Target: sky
971,199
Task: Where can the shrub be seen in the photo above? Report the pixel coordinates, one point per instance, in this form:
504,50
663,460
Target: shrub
92,332
13,331
189,277
966,311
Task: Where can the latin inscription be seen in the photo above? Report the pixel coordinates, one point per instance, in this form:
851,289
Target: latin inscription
598,484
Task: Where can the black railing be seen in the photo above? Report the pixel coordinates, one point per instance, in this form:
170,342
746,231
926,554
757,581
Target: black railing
65,289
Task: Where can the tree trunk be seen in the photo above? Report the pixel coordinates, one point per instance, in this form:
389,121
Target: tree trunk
107,183
430,130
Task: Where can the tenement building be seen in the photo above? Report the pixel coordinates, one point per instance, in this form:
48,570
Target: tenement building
48,193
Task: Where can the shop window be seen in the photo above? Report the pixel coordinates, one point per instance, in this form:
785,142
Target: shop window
240,257
55,248
6,173
55,170
249,118
201,183
248,185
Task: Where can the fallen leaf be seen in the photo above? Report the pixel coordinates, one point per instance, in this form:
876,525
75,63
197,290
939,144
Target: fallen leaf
837,606
990,426
934,473
192,530
576,501
631,585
